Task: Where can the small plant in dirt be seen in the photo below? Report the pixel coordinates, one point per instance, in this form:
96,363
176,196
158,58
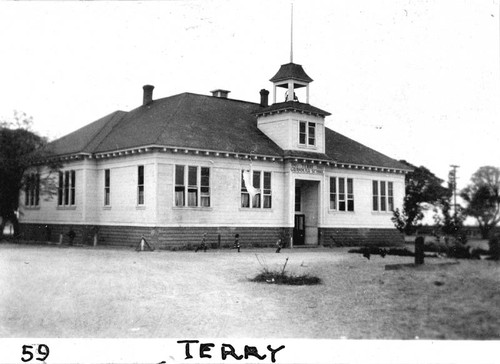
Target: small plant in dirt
281,277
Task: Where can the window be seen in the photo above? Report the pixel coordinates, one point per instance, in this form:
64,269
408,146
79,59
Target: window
341,194
307,133
256,186
32,190
140,185
192,186
179,186
205,187
383,196
267,190
333,193
256,189
390,196
375,195
107,188
298,200
66,189
311,140
302,132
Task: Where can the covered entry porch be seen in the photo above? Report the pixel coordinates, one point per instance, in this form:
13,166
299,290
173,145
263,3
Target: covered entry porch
306,212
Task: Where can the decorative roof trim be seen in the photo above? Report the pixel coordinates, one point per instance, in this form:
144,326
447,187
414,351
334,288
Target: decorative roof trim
218,153
195,151
292,109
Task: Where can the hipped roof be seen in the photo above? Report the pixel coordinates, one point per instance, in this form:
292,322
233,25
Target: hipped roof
202,122
291,71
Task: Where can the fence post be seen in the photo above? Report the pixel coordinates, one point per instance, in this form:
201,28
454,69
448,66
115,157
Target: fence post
419,250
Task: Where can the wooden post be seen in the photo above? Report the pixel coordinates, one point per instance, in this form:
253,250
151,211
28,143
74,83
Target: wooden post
419,250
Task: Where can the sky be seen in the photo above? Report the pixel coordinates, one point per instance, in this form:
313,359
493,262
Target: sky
415,80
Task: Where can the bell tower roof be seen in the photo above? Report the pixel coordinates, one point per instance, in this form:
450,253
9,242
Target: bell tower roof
291,71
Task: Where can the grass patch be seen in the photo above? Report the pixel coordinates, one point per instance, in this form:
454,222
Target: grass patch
286,278
281,277
367,251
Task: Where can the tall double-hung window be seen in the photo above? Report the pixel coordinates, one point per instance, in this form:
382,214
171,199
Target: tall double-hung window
107,187
382,196
341,194
66,188
256,189
140,185
32,190
307,133
192,186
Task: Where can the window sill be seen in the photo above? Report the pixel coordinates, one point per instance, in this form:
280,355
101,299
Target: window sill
184,208
106,207
140,207
72,207
304,146
382,213
255,209
335,212
32,207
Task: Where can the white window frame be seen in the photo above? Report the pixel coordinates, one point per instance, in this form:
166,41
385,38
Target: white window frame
262,200
201,197
141,195
66,193
107,187
341,199
308,125
32,190
382,196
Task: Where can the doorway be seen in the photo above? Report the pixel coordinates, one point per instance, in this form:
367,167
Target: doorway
305,229
299,230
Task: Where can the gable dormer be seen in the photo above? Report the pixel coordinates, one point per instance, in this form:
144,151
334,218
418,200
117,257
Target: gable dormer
290,123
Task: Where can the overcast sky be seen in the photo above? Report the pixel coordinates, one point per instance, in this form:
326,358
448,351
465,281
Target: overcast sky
415,80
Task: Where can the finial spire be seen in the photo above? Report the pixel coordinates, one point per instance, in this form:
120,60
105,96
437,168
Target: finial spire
291,33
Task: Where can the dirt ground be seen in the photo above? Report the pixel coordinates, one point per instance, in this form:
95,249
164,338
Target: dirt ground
55,291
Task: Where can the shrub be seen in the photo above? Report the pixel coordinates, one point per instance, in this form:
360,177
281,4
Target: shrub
275,277
280,277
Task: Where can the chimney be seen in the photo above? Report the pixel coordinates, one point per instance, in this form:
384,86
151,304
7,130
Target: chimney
220,93
148,94
264,98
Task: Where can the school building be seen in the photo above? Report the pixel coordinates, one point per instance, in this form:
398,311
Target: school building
177,167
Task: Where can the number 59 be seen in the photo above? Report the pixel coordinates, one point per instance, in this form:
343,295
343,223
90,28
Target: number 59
43,351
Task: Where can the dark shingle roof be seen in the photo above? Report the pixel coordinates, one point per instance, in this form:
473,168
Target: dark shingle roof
292,106
342,149
291,71
194,121
84,140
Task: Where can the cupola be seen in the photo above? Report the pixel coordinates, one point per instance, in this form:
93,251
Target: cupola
291,76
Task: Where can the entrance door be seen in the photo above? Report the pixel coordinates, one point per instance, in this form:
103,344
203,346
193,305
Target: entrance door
299,230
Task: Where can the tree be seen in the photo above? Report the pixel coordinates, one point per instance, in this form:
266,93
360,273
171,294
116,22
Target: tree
450,224
422,188
20,148
482,197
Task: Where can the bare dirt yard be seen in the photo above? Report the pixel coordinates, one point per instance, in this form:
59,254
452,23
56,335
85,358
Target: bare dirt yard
55,291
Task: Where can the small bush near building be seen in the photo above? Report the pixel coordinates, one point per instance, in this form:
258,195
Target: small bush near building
275,277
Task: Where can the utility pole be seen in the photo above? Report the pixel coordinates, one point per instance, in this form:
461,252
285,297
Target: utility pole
452,178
